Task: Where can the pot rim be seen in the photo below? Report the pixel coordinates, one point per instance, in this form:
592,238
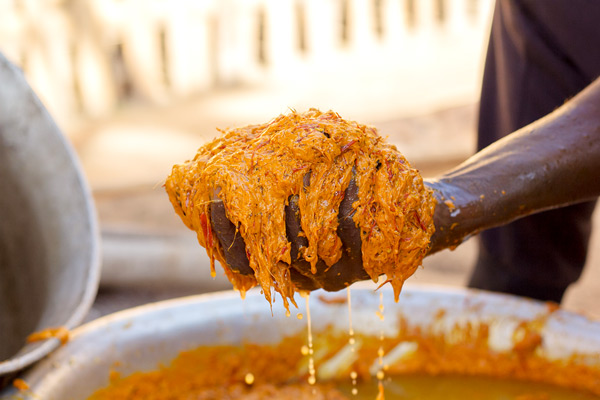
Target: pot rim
27,357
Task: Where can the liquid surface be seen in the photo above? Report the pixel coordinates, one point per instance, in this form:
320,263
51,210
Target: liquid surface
430,369
409,387
424,387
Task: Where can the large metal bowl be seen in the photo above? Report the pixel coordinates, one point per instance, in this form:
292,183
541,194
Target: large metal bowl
49,257
142,338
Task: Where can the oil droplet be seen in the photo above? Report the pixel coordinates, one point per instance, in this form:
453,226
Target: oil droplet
380,352
311,362
380,392
351,339
350,329
299,316
380,315
249,379
288,313
304,350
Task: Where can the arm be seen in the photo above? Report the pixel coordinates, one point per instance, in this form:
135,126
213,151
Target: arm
550,163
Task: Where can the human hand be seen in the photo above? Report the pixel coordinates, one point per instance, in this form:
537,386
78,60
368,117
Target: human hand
290,219
499,184
347,270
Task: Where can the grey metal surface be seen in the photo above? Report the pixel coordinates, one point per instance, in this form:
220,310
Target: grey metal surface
143,337
49,241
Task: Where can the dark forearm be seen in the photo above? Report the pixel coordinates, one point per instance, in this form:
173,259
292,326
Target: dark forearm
550,163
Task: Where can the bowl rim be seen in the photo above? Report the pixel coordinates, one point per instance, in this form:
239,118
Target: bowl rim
43,373
88,292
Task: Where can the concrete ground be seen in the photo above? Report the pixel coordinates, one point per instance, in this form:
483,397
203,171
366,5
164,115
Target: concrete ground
148,255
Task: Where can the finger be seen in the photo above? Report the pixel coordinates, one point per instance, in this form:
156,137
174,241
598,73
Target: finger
349,234
234,248
349,268
298,241
300,271
303,282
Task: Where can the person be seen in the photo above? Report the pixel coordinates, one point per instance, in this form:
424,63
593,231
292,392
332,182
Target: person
541,53
530,189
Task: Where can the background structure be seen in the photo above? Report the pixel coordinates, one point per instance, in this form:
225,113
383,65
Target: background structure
139,85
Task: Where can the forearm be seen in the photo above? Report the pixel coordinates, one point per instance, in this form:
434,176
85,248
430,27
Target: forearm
550,163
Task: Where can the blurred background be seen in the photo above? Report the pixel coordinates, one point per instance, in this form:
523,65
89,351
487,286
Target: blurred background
139,85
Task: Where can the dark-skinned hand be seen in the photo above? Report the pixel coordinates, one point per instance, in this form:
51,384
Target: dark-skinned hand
343,273
550,163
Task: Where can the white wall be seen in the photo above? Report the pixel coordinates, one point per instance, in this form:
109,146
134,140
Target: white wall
85,57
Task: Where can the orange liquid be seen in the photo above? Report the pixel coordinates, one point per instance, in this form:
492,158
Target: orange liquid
423,387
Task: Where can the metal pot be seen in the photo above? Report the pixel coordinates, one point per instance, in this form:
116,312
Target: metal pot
142,338
49,241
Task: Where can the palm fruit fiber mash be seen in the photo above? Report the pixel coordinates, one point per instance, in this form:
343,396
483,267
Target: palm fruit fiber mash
255,170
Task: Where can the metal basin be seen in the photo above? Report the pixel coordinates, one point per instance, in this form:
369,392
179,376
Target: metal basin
141,338
49,258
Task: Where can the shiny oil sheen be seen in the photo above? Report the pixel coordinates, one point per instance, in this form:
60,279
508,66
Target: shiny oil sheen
424,387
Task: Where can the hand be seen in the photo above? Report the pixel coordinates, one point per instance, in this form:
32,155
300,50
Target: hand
550,163
340,275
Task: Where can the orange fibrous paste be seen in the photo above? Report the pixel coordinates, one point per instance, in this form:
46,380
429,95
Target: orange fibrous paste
20,385
257,168
61,333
